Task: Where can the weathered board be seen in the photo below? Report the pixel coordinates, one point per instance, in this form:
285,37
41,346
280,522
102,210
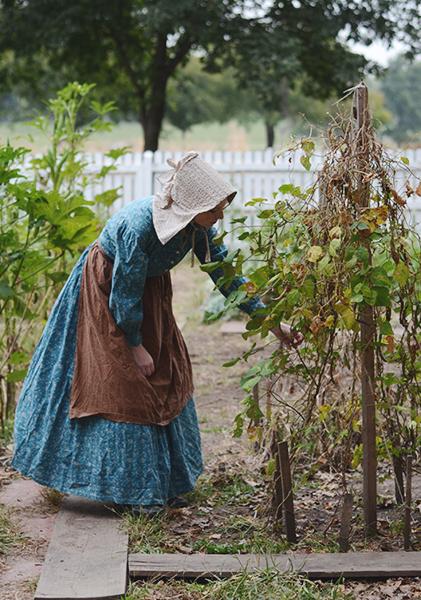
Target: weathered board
315,566
87,554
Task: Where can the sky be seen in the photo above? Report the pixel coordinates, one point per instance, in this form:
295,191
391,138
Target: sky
378,51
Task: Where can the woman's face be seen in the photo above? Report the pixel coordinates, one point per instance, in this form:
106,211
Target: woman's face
210,217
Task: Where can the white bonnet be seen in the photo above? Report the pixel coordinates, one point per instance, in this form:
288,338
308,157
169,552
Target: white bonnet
192,186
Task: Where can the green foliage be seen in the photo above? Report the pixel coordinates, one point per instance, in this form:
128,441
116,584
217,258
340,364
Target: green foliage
401,85
195,96
45,222
318,264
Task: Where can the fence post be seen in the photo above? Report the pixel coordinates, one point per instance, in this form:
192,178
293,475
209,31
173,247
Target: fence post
146,174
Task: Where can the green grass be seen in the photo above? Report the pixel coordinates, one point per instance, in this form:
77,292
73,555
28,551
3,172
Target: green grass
9,536
228,490
163,590
146,534
253,538
6,433
215,429
209,136
267,584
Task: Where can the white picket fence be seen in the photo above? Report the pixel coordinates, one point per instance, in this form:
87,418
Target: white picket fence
252,173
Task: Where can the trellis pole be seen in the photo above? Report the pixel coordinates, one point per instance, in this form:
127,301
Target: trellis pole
366,317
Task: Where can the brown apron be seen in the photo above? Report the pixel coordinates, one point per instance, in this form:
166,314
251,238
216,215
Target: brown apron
106,381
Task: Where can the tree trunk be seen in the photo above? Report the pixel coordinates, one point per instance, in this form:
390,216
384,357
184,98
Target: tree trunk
153,115
152,126
270,134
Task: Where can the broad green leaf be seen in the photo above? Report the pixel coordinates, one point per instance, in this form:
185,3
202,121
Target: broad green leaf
265,214
334,246
17,358
116,153
15,376
382,296
286,188
314,254
401,273
210,267
219,239
390,379
362,254
346,314
308,146
249,384
255,201
305,161
325,265
386,328
292,297
308,287
58,276
5,290
335,232
107,198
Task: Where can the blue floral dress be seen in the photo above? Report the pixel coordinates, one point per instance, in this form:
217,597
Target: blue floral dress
96,457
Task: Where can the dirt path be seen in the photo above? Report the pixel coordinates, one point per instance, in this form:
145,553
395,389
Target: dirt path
30,519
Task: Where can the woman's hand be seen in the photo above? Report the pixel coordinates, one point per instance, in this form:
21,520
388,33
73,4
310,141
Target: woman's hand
288,336
143,360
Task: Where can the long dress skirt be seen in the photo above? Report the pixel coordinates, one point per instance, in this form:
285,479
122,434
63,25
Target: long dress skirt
95,457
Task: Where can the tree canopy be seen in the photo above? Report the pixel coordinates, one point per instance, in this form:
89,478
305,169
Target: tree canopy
401,86
131,49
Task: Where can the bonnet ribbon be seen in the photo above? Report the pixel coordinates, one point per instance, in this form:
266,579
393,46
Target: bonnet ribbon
193,241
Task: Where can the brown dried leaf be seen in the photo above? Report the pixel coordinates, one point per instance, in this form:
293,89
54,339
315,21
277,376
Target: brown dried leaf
398,199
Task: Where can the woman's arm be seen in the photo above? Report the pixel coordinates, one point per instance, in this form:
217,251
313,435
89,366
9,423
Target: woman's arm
128,280
219,252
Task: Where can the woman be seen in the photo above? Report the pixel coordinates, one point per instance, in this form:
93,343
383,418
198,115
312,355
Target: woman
106,409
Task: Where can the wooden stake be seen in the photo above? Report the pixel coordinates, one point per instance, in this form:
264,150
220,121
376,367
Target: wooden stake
408,500
257,421
368,402
398,472
289,515
346,516
277,498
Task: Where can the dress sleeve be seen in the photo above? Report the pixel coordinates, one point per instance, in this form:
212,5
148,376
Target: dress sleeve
128,281
218,252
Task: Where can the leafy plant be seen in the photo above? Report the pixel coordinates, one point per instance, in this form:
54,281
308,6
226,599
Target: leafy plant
318,259
46,220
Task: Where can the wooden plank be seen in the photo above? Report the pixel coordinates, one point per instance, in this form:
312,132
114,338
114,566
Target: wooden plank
87,554
353,565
